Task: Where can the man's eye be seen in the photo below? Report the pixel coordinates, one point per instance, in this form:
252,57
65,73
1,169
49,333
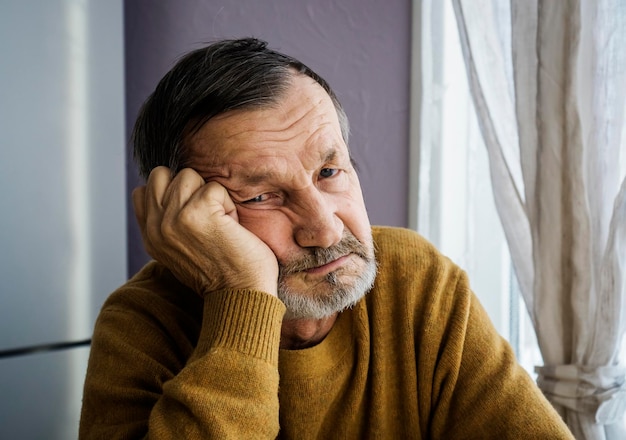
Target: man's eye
257,199
328,172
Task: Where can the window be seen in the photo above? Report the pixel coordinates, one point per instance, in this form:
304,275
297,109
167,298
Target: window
455,206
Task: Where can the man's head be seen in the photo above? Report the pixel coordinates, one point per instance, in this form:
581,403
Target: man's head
224,76
278,146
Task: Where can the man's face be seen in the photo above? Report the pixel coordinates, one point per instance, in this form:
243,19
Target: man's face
289,173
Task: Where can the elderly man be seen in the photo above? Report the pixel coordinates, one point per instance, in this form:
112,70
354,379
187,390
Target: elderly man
272,308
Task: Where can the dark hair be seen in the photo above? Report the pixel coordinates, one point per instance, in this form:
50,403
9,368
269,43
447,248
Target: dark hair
226,75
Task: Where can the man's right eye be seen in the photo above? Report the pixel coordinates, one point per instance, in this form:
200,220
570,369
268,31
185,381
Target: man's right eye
258,199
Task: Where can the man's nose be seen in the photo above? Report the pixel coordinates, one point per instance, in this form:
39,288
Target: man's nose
317,224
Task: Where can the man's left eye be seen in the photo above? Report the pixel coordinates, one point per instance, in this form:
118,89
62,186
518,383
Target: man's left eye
328,172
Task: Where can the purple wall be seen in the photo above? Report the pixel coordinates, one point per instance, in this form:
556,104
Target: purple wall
361,47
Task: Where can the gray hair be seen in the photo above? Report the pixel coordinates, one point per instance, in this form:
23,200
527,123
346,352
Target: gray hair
226,75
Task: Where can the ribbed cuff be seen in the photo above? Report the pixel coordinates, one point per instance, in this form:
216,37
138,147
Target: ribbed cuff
247,321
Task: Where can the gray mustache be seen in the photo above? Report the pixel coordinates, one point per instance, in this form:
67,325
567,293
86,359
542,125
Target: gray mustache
315,257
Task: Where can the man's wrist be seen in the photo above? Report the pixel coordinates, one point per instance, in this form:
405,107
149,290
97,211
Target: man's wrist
244,320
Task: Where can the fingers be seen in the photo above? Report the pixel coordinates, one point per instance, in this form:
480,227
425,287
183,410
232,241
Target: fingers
214,200
181,188
150,203
167,203
164,193
158,181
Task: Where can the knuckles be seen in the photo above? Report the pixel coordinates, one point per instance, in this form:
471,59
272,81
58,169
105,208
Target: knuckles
167,230
189,219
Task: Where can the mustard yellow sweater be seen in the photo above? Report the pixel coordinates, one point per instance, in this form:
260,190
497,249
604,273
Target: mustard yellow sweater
417,358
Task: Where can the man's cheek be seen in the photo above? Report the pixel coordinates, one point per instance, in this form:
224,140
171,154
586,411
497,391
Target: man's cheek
268,225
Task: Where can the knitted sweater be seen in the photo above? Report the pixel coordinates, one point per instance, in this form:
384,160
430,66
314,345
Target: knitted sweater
416,358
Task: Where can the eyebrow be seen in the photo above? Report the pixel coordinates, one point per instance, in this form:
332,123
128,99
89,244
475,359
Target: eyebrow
254,179
331,154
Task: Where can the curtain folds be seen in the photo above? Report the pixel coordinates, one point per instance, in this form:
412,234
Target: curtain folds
548,81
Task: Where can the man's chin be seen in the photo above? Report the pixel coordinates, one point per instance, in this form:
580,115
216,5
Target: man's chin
321,297
339,278
299,307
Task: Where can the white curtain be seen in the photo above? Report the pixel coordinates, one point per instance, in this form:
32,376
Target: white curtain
548,81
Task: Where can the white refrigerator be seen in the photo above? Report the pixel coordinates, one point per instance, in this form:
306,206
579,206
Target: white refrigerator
62,202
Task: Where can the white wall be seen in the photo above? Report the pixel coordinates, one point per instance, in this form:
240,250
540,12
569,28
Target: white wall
62,209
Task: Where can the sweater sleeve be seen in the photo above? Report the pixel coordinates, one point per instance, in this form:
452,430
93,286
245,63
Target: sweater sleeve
142,382
479,389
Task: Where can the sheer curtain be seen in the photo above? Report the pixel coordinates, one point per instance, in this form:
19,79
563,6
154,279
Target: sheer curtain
548,82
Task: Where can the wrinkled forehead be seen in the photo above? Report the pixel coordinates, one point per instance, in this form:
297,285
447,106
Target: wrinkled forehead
303,102
303,115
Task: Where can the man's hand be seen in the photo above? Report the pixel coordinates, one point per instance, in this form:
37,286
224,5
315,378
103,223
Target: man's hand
192,228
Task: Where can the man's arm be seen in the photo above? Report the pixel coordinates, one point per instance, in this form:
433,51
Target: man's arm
146,376
481,390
